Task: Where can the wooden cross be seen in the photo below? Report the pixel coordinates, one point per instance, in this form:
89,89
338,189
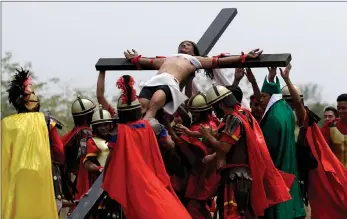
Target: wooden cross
205,44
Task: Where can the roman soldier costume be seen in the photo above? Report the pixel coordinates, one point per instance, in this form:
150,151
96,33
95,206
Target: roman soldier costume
305,158
247,185
322,176
202,186
96,152
75,142
136,177
32,154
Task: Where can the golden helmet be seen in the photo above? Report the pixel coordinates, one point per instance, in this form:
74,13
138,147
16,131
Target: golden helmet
123,105
82,106
216,93
286,94
101,116
198,103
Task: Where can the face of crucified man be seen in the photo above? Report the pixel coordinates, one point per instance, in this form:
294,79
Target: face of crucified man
188,47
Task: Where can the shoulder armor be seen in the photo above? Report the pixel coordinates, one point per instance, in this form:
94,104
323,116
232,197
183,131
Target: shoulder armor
50,120
86,133
156,126
232,123
82,150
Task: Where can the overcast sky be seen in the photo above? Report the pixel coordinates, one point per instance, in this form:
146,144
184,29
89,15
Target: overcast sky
65,40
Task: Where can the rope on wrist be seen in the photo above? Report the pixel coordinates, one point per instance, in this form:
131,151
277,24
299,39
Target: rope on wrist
136,61
243,57
215,59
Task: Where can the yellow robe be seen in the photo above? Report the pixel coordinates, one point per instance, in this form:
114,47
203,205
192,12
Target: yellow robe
27,185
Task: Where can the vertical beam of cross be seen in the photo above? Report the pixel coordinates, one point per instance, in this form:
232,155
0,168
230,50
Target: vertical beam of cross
216,29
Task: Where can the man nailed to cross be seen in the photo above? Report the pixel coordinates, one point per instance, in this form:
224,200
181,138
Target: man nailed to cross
163,90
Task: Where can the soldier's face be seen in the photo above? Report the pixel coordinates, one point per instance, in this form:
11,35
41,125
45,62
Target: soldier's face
178,119
195,116
342,109
104,128
218,110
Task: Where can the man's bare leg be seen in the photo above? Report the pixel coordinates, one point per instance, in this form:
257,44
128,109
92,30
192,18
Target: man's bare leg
157,102
144,105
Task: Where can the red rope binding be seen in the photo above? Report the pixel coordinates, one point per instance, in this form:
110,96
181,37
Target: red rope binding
157,57
215,59
135,60
243,57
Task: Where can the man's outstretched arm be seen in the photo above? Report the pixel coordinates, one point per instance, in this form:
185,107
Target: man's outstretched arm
210,62
139,61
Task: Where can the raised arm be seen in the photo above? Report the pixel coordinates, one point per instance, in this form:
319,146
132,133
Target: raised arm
300,110
253,81
238,75
100,90
209,62
139,61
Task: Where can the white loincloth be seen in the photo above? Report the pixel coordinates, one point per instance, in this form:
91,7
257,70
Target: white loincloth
167,79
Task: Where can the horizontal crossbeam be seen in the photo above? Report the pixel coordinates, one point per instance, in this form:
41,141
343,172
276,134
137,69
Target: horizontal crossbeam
265,60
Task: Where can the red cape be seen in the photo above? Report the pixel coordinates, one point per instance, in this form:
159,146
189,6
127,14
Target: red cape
136,176
194,146
270,186
67,137
85,180
328,182
201,186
